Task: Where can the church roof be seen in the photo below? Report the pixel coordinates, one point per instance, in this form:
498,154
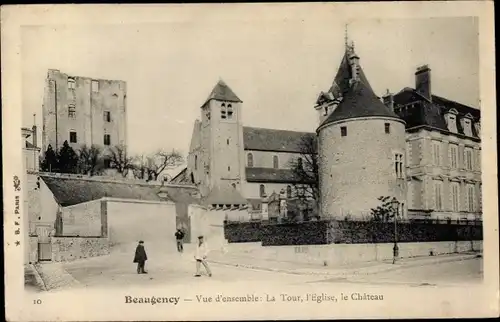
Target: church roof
261,139
224,195
358,98
271,175
222,92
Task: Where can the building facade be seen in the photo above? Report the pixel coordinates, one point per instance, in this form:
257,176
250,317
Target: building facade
443,149
83,111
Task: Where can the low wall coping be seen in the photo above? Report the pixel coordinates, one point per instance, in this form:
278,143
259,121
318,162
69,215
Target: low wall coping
110,199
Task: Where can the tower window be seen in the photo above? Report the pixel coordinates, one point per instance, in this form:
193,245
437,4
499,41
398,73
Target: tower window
262,190
275,162
71,83
387,128
196,162
343,131
72,137
250,160
223,111
227,141
229,111
71,111
95,86
107,116
107,139
228,168
398,165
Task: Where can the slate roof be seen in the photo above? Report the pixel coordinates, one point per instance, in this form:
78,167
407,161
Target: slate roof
358,98
226,195
261,139
182,177
425,113
270,175
71,191
30,145
222,92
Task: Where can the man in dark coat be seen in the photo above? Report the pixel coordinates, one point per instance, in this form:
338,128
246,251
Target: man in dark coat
140,258
179,236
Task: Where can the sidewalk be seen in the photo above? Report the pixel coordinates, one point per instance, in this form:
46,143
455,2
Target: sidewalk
350,270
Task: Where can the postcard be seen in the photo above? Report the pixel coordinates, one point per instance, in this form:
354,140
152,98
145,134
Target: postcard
249,161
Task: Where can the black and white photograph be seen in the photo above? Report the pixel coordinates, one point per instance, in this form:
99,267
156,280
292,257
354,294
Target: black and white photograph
251,161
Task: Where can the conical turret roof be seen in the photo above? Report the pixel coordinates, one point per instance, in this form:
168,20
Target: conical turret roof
222,92
358,98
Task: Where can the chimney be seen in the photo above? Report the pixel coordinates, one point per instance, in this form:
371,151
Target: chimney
388,100
35,139
423,81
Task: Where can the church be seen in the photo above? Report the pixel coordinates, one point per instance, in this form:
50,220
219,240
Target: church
415,146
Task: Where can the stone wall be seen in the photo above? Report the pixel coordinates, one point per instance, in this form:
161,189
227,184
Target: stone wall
33,249
208,223
73,248
82,220
337,255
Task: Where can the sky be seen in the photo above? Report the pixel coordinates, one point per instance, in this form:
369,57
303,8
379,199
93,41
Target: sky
276,66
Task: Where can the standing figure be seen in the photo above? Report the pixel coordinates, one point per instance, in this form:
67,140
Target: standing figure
179,236
201,256
140,258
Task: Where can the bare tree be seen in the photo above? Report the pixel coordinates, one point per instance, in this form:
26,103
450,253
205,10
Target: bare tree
120,160
305,171
161,161
90,160
139,167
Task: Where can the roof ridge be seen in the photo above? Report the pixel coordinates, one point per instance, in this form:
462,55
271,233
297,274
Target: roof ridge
271,129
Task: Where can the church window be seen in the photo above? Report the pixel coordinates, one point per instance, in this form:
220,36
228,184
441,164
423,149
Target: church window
289,191
250,160
343,131
196,162
262,191
223,111
275,162
387,128
229,111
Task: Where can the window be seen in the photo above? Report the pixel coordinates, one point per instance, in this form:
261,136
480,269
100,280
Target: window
71,83
289,191
387,128
107,139
223,111
71,111
468,159
262,191
72,137
398,165
95,86
455,196
470,197
343,131
299,163
107,163
196,162
438,197
436,153
467,124
250,160
275,162
229,112
228,168
451,120
208,115
326,111
234,185
107,116
453,156
227,141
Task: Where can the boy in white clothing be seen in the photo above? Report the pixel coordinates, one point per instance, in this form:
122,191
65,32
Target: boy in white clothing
201,256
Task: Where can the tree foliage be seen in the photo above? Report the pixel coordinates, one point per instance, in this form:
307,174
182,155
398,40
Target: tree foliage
120,160
305,169
385,211
49,162
67,159
90,160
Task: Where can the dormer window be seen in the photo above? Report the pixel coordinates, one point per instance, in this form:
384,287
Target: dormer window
451,120
467,124
477,126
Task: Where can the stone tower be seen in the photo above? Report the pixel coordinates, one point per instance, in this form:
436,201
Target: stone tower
220,162
361,146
